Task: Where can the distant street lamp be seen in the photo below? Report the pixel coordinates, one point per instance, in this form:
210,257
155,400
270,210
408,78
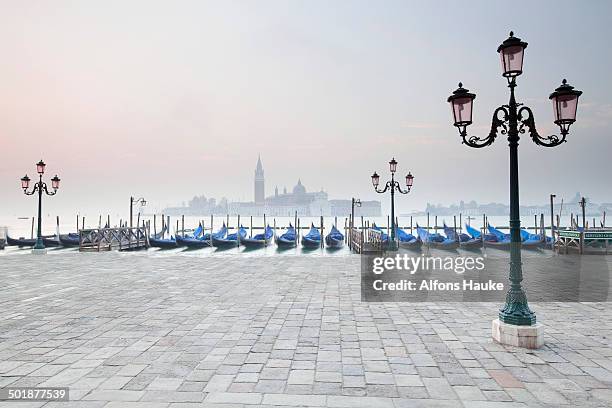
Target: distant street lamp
514,121
393,186
355,202
40,187
140,200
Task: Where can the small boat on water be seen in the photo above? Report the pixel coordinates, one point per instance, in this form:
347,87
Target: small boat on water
383,236
436,240
202,241
312,239
334,239
259,240
231,240
164,243
407,240
528,241
21,242
70,240
465,241
288,239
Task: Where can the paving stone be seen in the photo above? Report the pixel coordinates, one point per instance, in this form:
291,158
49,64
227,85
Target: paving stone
277,339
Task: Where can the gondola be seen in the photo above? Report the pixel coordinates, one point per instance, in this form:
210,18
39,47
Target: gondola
259,240
69,240
407,240
334,239
164,243
231,240
494,238
21,242
528,241
465,241
436,240
384,237
312,239
201,242
53,241
288,239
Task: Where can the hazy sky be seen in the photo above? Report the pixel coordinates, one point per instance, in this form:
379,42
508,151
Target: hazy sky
176,98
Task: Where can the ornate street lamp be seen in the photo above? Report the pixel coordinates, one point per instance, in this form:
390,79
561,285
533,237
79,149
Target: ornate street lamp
511,120
39,188
393,186
142,202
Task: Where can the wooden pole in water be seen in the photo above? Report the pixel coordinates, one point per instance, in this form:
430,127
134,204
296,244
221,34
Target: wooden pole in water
484,225
322,235
83,222
460,224
604,219
388,224
183,224
411,224
297,236
251,228
227,220
436,224
32,232
163,225
238,231
77,224
154,224
455,227
345,234
362,223
177,228
137,219
108,220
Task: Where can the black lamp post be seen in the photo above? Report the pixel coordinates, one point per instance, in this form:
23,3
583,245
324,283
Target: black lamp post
393,186
142,202
39,188
511,120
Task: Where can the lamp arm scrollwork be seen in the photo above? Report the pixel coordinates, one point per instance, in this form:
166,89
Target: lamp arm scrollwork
387,186
527,123
497,122
399,188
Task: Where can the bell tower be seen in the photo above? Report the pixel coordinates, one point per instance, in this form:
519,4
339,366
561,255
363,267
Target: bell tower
260,192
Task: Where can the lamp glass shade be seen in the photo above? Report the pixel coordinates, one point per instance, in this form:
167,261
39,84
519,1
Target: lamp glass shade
565,103
462,111
512,60
393,165
25,182
55,182
375,179
564,108
409,180
144,202
40,167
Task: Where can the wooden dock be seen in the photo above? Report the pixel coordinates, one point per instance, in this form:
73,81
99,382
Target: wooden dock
108,239
594,240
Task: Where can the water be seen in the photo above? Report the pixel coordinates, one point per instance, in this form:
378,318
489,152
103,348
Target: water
23,227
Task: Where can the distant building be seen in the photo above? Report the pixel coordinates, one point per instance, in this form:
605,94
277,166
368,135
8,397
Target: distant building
305,203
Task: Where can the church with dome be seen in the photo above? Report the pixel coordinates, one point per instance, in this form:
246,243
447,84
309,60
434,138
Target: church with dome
300,200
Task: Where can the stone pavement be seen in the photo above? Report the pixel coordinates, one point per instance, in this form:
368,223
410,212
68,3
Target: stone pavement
132,330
